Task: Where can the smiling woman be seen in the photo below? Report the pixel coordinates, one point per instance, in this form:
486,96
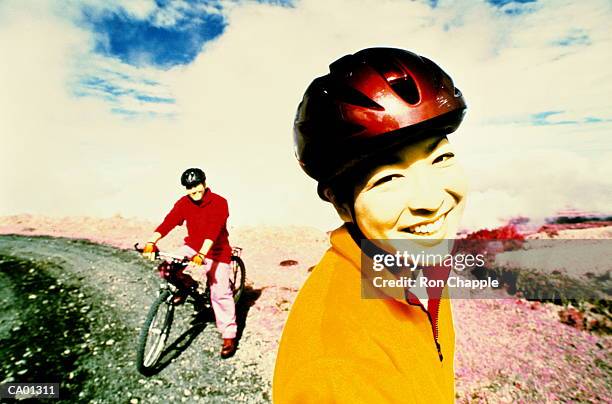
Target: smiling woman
421,195
373,134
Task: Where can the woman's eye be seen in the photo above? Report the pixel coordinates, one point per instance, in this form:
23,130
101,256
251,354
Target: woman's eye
442,158
385,179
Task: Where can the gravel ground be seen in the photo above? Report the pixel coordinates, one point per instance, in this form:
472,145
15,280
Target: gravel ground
507,350
71,312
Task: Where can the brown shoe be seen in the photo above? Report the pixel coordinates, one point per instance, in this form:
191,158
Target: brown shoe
229,347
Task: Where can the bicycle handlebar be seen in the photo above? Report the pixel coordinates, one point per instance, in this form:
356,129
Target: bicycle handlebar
236,251
160,254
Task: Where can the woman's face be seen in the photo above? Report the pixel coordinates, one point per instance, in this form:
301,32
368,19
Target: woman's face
418,194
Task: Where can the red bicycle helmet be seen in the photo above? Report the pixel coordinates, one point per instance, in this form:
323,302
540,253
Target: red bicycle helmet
369,101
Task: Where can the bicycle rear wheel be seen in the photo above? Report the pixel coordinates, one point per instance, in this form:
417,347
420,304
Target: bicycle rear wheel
237,277
154,333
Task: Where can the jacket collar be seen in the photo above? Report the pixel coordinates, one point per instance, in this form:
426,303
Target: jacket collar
343,241
345,245
205,198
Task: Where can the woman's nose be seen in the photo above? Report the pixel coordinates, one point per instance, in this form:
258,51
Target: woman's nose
424,194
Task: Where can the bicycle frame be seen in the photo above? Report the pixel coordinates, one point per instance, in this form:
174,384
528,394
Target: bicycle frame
173,273
171,270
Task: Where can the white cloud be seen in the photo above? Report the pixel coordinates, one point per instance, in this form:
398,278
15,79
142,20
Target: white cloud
179,10
139,9
236,101
536,183
99,76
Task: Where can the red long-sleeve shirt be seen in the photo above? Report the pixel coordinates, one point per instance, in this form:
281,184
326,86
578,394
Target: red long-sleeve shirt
207,220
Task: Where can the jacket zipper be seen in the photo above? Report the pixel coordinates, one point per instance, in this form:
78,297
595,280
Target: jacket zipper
435,330
434,327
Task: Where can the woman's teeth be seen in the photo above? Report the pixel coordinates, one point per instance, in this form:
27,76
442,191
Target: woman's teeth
426,229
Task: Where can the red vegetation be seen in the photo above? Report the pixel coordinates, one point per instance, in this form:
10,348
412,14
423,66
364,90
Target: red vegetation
572,317
507,232
491,242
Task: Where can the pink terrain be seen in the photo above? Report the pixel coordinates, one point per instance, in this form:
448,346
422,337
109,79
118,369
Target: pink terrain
507,350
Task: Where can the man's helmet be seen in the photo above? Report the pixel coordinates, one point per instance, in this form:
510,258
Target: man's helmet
193,177
370,101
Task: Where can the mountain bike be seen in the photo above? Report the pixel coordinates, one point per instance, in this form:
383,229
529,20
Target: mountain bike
176,282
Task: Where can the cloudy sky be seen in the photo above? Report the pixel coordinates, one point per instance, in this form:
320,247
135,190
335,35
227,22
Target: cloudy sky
103,103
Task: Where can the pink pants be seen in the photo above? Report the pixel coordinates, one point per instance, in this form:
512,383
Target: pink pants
218,275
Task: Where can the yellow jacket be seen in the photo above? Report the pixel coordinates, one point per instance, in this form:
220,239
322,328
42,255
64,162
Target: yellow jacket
339,348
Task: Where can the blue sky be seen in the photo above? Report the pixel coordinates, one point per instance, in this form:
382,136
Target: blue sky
159,42
173,33
110,99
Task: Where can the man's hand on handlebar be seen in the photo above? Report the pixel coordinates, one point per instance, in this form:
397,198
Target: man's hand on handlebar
150,251
198,259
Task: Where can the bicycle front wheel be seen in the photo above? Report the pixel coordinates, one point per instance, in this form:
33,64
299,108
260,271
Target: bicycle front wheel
154,333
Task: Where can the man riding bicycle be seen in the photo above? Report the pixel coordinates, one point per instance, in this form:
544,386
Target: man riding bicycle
206,245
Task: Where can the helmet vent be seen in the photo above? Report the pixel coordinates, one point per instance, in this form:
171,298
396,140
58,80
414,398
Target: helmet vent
347,94
406,88
396,74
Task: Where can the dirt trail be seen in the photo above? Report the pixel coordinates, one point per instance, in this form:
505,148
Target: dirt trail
507,350
72,311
